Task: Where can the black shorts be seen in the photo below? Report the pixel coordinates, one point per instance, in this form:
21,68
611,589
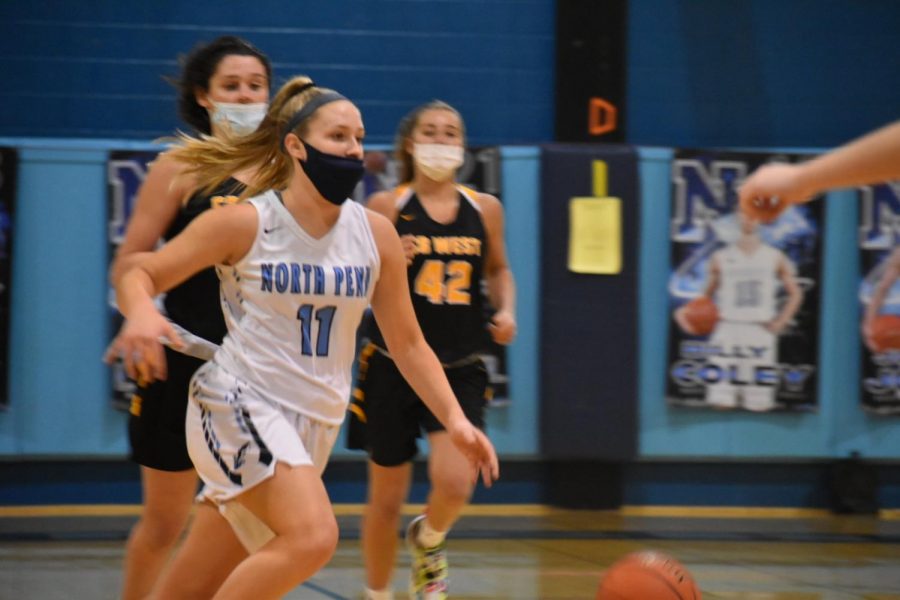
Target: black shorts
387,417
157,413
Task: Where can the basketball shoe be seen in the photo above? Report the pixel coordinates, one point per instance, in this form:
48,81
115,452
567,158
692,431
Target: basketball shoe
429,575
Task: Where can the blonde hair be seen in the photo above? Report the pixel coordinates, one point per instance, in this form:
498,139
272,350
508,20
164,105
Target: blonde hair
212,160
405,130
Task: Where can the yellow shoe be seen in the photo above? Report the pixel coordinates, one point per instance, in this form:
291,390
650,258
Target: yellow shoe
429,575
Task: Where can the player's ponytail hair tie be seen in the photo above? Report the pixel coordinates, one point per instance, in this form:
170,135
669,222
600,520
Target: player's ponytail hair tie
308,109
303,88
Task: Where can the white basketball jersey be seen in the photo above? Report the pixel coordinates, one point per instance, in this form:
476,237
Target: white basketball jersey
748,283
293,305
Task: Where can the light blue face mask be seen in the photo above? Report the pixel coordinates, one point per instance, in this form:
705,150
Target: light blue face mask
239,119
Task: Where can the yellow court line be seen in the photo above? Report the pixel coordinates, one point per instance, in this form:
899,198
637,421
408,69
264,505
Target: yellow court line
482,510
72,510
726,512
473,510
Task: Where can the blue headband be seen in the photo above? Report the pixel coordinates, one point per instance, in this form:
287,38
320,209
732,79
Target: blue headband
308,109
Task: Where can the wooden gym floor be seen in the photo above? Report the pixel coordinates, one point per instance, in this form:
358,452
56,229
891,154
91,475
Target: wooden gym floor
514,551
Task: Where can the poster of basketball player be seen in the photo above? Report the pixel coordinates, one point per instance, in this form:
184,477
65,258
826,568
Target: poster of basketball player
879,296
125,172
743,295
480,171
8,168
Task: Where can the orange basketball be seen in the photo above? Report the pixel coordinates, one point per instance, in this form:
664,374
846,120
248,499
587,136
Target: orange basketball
886,333
702,315
648,575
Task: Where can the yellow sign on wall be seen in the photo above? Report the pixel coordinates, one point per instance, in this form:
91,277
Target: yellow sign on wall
595,229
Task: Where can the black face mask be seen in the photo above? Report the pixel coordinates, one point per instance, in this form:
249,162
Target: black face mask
335,177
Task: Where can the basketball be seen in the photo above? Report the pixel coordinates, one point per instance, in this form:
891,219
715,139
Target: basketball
886,333
648,575
702,315
764,210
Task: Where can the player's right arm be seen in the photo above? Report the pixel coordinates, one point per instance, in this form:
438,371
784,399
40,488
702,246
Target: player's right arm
873,158
713,277
712,284
384,203
215,237
159,199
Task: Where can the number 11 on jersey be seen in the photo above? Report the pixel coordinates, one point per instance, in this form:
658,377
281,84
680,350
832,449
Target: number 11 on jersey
324,316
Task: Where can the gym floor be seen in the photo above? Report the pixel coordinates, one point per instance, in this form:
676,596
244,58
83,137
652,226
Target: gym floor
515,551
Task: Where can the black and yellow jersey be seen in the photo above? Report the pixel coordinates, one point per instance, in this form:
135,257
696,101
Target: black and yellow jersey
445,275
195,304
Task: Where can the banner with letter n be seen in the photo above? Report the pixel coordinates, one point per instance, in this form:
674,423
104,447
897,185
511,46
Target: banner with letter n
9,159
743,294
879,296
125,172
481,172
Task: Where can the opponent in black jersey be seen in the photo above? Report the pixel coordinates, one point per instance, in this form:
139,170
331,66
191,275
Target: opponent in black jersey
223,84
195,303
453,238
445,274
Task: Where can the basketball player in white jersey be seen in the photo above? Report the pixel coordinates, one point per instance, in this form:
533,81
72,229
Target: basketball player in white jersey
743,280
298,267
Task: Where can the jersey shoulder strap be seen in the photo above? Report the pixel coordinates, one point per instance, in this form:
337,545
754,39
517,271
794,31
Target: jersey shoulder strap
470,195
402,194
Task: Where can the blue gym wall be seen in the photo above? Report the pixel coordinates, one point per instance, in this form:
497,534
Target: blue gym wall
802,73
93,69
59,401
808,73
772,78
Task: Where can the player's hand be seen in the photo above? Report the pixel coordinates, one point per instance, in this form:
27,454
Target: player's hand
408,242
763,209
138,345
477,448
868,340
503,327
771,189
682,321
775,326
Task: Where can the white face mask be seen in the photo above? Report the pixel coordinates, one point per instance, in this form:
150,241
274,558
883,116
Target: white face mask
240,119
438,161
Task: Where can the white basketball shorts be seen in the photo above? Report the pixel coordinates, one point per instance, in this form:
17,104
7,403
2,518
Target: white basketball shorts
235,437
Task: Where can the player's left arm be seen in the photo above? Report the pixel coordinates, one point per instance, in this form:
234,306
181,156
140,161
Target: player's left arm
879,294
500,283
794,296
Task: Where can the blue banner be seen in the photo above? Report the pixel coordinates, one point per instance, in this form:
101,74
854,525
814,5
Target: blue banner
743,295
